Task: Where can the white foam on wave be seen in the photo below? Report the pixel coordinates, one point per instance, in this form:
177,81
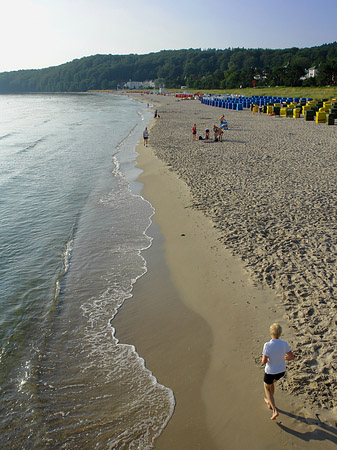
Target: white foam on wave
141,116
25,375
148,404
119,145
67,255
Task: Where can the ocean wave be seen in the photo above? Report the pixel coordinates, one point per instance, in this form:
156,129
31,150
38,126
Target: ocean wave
118,146
30,146
5,136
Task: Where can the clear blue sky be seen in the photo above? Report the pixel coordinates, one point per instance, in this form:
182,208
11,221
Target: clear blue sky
43,33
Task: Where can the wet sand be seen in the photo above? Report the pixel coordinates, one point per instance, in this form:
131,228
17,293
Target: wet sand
226,244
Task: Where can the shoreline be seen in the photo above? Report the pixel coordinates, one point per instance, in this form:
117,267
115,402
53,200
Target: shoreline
212,289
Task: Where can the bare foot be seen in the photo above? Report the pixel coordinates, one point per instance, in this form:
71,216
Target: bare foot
268,404
274,415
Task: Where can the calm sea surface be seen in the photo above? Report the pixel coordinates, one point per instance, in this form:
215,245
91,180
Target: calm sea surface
72,229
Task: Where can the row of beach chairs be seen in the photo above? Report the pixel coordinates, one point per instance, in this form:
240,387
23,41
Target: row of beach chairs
323,111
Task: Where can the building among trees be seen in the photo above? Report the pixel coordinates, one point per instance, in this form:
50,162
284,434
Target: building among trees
139,84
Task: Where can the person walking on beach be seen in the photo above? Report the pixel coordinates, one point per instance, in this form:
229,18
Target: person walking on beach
145,136
194,132
274,355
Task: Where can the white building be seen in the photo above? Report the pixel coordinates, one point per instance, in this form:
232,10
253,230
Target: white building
139,84
310,73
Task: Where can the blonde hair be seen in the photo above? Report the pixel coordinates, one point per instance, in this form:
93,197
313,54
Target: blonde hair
276,330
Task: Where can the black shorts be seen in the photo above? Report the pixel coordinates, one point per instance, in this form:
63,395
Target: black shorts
269,378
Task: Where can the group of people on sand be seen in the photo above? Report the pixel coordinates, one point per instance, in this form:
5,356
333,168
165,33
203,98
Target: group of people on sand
217,132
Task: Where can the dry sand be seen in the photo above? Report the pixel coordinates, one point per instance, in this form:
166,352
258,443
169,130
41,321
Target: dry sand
267,195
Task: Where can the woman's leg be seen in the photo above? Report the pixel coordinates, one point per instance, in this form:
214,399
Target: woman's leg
269,390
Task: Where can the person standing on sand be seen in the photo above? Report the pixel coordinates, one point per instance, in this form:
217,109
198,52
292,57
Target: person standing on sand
194,132
216,131
274,355
145,136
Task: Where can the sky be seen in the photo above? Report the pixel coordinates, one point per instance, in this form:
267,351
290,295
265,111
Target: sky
41,33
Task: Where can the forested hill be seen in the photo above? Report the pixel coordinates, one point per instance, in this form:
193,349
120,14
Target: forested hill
194,68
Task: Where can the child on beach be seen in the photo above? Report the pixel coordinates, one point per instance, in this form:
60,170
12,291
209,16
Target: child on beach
274,355
215,130
194,132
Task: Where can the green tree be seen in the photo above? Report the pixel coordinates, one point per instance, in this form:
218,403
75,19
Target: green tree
196,68
327,74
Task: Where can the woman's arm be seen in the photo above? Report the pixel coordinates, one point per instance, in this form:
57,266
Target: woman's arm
289,356
264,359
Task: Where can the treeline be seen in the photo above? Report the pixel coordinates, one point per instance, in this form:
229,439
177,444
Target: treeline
194,68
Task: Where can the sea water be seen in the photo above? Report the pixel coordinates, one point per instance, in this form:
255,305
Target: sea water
72,229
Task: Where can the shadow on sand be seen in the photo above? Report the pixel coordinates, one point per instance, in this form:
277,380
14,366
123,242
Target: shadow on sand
322,432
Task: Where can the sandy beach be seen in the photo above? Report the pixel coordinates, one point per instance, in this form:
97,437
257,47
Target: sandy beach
244,235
